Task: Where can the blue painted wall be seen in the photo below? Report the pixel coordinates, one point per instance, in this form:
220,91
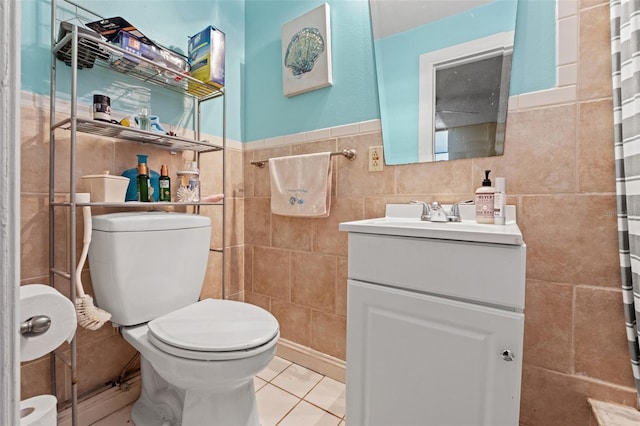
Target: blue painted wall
534,55
168,23
353,96
256,108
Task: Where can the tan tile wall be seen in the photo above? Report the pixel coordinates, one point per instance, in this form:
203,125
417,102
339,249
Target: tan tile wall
560,174
559,167
103,354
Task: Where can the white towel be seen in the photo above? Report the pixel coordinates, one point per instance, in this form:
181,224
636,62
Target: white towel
301,185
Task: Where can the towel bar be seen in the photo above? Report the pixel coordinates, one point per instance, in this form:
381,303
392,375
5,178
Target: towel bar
350,153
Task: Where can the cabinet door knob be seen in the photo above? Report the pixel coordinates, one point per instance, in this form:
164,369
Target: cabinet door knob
507,355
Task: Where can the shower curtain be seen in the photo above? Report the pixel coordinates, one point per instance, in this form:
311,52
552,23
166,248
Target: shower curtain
625,60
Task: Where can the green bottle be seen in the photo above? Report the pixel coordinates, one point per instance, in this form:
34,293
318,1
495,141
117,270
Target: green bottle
165,184
143,182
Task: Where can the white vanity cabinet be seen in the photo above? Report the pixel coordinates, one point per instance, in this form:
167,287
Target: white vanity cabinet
434,326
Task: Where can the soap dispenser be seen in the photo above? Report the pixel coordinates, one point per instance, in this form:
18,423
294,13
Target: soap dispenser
132,174
484,200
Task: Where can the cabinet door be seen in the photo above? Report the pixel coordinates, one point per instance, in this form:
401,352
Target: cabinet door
415,359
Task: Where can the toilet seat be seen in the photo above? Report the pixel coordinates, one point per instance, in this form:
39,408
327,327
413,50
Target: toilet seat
213,329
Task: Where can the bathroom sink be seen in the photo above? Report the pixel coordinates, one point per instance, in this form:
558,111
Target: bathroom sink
410,225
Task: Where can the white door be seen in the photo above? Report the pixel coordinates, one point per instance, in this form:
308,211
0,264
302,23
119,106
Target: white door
415,359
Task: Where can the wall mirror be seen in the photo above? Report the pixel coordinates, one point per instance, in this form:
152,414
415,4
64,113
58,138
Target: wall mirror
443,70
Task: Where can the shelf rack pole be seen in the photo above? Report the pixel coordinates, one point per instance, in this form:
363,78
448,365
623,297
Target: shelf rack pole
72,216
52,157
71,255
223,249
224,191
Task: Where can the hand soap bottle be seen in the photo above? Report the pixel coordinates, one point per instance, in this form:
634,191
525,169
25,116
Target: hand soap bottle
484,200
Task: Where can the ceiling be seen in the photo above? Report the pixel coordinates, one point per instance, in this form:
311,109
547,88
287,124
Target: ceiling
395,16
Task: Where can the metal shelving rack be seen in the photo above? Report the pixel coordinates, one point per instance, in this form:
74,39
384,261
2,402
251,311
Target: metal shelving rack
67,50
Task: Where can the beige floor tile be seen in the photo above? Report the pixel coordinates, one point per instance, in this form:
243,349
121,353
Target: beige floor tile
324,403
258,383
277,366
309,415
329,394
297,380
274,404
122,417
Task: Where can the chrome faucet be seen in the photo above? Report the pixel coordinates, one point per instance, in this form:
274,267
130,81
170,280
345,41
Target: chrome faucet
454,213
437,213
433,212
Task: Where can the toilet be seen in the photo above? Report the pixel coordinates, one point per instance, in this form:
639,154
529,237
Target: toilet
198,357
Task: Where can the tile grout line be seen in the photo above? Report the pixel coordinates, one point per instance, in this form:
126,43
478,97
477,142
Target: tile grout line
288,412
300,399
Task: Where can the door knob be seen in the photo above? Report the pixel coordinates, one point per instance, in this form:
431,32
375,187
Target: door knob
507,355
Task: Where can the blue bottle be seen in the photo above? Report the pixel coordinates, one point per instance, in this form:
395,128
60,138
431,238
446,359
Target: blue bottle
132,174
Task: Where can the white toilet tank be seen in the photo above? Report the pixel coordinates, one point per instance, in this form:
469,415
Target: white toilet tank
146,264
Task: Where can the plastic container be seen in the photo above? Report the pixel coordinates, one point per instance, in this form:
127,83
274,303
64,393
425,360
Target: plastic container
106,188
500,201
189,184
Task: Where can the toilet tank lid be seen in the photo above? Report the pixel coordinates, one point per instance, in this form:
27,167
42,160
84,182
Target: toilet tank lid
148,221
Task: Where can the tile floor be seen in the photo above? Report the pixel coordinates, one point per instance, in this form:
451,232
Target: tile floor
287,394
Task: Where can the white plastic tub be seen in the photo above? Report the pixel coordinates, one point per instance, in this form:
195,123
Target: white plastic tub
106,188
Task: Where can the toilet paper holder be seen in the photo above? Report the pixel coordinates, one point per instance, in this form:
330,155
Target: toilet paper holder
35,326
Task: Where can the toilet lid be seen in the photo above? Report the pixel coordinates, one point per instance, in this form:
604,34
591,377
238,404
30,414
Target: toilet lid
213,325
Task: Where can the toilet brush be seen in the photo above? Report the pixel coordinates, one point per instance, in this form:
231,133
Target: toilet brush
89,316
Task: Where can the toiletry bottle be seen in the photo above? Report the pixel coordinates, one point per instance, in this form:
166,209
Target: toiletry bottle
484,200
143,182
500,201
194,181
132,173
165,184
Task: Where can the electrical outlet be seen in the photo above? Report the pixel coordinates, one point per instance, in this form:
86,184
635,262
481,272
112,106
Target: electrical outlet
376,160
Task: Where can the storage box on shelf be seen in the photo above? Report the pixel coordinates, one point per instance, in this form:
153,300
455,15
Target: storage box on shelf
92,50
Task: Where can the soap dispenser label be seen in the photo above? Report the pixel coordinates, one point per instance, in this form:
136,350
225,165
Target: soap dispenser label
484,206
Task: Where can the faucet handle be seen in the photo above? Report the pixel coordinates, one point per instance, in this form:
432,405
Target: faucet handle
454,213
426,210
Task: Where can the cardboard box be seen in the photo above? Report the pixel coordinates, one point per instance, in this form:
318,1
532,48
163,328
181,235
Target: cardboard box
155,53
206,56
125,35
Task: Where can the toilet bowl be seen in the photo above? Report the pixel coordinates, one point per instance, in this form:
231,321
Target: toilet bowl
198,363
198,358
